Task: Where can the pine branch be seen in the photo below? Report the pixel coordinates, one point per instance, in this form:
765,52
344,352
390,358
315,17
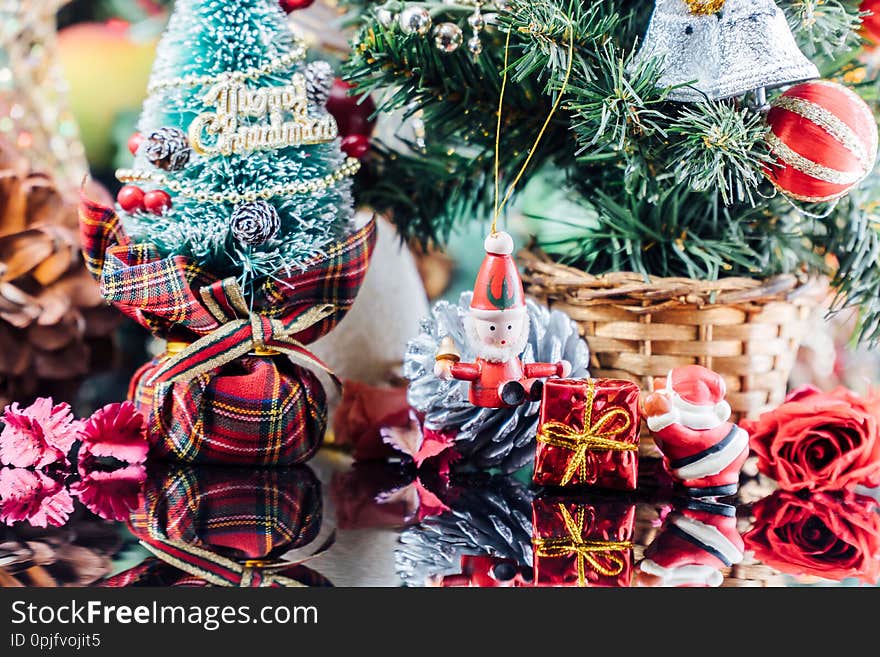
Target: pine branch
720,146
627,179
826,27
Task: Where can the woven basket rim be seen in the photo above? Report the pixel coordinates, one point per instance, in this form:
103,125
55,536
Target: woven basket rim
540,271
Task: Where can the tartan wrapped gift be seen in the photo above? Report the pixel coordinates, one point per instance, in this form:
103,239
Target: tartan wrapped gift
211,526
582,542
588,434
238,384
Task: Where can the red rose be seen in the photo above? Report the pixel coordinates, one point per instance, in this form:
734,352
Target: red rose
828,535
819,440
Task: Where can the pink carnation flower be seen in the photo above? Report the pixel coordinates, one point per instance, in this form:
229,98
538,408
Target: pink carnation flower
33,496
117,430
111,495
37,436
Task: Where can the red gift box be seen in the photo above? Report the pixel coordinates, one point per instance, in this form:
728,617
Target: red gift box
580,543
588,434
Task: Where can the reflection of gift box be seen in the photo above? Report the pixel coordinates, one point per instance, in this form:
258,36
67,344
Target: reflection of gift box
588,434
582,543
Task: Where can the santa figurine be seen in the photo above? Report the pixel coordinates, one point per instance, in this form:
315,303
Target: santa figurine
689,418
498,330
695,543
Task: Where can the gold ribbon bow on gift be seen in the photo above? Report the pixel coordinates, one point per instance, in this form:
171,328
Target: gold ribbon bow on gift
239,334
591,437
599,554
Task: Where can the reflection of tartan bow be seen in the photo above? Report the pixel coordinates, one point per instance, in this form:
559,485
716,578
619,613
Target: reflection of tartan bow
219,570
241,331
591,437
599,554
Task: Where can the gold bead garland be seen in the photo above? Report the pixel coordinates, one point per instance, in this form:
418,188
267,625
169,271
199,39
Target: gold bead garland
278,64
349,168
704,7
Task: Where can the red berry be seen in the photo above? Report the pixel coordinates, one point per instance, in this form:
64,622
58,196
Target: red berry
130,198
157,201
351,113
293,5
356,145
134,142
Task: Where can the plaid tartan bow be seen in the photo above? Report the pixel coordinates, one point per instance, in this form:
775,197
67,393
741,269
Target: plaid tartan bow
217,569
238,335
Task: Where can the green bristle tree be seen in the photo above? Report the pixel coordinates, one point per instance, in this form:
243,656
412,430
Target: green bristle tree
666,188
209,44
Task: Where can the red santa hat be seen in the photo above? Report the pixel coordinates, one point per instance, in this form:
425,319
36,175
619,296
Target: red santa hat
498,290
697,397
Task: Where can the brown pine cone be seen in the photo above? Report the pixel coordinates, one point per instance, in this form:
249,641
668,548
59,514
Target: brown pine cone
49,306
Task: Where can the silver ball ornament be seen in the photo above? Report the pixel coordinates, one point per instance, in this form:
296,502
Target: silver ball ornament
447,37
386,17
415,20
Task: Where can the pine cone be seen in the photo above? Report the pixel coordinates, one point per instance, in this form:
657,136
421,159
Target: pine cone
319,80
49,306
254,223
492,517
486,437
168,148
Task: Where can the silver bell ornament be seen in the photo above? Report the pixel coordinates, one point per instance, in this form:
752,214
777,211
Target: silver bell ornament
745,45
758,50
687,43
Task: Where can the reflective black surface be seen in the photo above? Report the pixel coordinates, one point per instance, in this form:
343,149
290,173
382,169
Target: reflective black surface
382,524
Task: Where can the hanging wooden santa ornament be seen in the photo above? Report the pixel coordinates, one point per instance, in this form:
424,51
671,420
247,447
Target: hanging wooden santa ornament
498,330
823,137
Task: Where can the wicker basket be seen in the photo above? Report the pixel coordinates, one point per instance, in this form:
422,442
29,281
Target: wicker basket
745,329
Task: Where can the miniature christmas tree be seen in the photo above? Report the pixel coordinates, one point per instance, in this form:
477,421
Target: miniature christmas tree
234,239
237,163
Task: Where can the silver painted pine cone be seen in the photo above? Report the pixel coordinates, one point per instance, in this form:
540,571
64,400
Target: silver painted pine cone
168,149
255,223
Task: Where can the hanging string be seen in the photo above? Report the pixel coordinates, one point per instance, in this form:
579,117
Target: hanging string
499,207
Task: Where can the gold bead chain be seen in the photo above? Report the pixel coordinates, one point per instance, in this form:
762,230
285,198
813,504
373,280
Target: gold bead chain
279,63
704,7
349,168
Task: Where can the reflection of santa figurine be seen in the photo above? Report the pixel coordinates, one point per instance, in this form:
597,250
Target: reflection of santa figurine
498,328
693,545
689,420
486,571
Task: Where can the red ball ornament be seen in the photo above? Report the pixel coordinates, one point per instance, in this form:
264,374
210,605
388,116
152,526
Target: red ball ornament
293,5
356,145
130,198
157,201
134,142
351,113
823,137
871,23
